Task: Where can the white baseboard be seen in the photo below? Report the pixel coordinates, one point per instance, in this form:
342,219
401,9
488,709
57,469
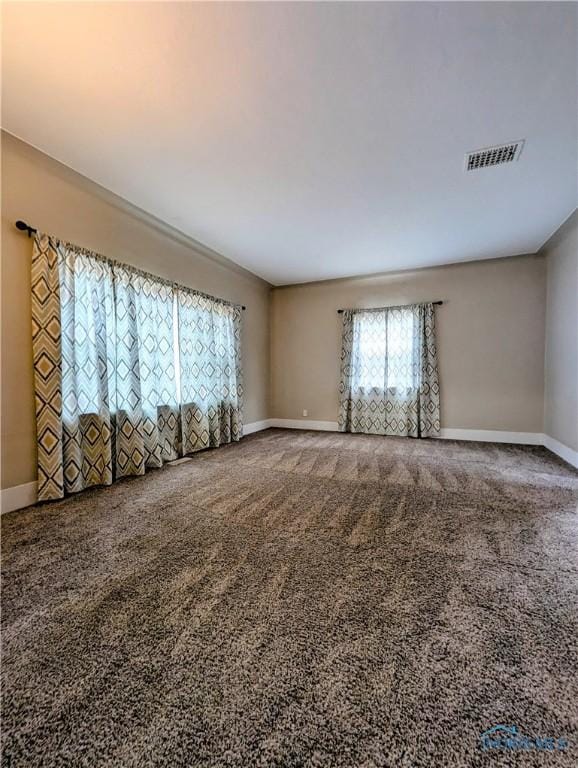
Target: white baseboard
493,436
320,426
17,497
561,450
480,435
256,426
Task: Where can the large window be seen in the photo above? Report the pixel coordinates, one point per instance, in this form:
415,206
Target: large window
130,370
389,381
385,348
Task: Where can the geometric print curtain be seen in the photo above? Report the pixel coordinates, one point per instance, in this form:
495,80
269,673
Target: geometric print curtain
86,367
211,385
389,373
108,374
145,409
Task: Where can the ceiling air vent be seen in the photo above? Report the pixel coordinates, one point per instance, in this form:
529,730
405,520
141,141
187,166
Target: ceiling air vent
503,153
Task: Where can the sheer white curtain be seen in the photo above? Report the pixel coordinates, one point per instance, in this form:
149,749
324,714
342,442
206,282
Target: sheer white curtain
385,355
389,379
86,322
108,375
211,378
145,381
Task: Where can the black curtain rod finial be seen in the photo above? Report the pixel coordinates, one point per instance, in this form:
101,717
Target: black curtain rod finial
24,227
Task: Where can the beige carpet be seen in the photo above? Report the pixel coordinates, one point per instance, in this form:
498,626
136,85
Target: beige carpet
299,599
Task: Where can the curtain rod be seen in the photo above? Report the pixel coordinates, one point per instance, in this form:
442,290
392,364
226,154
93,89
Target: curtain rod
24,227
371,309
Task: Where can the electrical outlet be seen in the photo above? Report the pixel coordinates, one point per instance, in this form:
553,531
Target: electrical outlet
305,412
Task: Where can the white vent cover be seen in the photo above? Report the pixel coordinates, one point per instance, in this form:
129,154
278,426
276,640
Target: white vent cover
503,153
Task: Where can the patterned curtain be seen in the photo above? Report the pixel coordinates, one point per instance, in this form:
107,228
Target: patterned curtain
210,366
146,410
389,375
74,359
107,373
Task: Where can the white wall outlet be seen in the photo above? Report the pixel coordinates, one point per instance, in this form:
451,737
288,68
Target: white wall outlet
305,412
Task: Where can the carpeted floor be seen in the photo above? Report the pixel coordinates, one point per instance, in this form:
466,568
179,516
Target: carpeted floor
298,599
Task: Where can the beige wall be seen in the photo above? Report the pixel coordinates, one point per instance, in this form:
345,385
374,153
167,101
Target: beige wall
490,340
61,202
561,362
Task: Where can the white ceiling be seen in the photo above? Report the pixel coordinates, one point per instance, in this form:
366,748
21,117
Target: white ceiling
309,140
